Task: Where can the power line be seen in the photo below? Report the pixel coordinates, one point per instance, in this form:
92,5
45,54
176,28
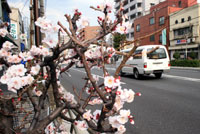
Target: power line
24,5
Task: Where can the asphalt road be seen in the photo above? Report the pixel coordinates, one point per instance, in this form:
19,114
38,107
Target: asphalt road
170,105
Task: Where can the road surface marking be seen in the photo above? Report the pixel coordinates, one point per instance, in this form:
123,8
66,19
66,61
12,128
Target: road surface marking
173,76
181,78
92,74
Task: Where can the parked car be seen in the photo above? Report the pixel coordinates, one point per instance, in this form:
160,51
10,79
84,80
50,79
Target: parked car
151,60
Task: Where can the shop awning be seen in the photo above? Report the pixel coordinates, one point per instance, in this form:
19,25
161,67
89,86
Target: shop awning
182,47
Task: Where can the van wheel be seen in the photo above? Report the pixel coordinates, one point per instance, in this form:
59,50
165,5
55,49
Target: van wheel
136,74
158,75
121,73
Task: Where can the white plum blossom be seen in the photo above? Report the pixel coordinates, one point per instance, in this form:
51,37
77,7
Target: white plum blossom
96,115
127,95
37,92
121,130
14,59
35,51
113,120
118,103
29,79
3,32
46,25
50,42
4,53
123,117
95,101
93,53
15,83
123,27
35,69
7,45
107,4
45,51
87,115
83,22
5,78
96,77
25,56
69,97
109,81
82,125
20,70
70,53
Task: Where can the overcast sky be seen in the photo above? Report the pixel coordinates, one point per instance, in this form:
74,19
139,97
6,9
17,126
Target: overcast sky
55,9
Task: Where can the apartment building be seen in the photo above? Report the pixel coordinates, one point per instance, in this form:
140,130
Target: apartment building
134,9
151,26
88,32
184,34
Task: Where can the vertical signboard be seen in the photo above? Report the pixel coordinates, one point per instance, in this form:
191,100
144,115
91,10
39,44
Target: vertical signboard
164,37
13,30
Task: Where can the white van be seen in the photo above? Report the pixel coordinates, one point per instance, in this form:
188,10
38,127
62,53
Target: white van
156,62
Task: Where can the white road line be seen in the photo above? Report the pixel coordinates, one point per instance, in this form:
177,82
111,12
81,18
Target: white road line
93,74
181,78
173,76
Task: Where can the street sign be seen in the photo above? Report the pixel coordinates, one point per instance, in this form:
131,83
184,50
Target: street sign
13,30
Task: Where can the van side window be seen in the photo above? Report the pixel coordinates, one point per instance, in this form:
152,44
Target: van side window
138,52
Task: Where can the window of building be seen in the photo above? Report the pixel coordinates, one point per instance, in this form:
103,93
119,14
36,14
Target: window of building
182,32
179,4
137,27
132,34
152,38
127,35
182,20
139,14
126,2
162,20
132,7
189,18
125,11
132,26
151,20
160,38
152,4
176,22
139,4
117,8
132,16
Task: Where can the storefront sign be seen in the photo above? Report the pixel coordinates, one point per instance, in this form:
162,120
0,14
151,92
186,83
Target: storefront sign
13,30
183,41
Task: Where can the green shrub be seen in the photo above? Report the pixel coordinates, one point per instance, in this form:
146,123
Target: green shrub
176,55
193,55
186,63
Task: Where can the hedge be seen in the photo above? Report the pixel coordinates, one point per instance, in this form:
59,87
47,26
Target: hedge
186,63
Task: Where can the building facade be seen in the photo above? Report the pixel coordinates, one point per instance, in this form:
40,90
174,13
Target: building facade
134,9
88,32
153,25
17,28
184,33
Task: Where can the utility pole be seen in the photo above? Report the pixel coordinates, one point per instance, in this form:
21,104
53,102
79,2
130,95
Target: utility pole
37,30
31,24
42,15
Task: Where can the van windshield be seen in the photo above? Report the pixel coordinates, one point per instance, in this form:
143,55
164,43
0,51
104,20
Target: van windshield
157,54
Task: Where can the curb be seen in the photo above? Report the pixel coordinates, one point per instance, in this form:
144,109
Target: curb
188,68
